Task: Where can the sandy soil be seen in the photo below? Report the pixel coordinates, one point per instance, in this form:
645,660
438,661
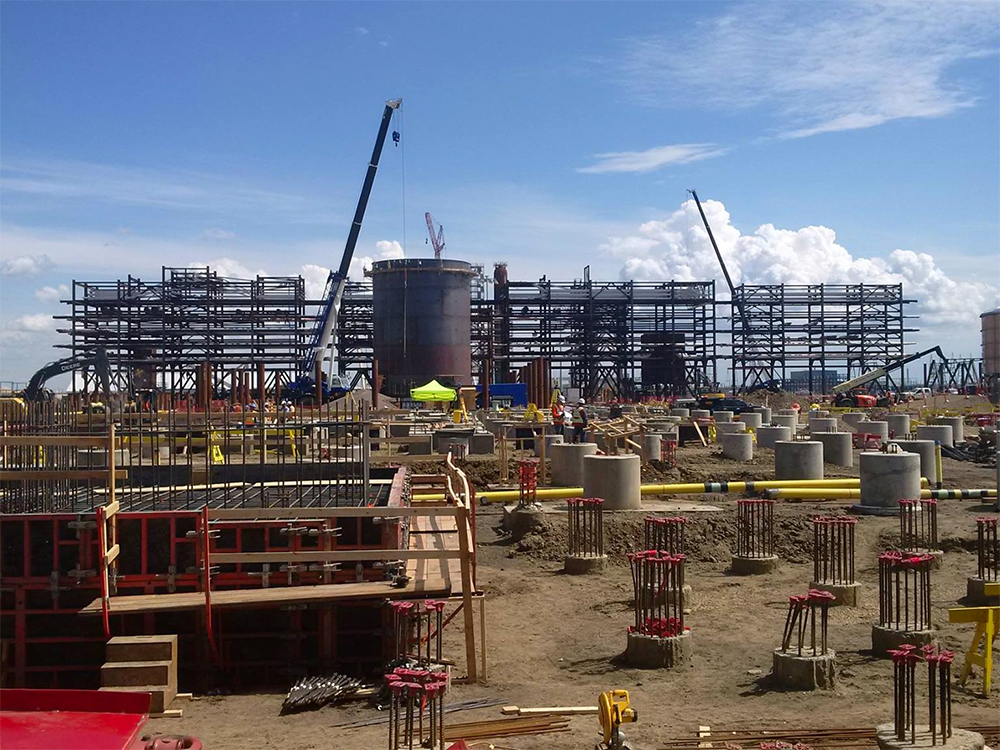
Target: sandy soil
556,639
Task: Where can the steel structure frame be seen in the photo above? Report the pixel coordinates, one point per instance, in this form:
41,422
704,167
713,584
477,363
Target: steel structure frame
954,373
852,327
157,332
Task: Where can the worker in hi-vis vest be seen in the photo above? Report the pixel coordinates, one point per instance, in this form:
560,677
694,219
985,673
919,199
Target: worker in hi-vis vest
580,422
559,416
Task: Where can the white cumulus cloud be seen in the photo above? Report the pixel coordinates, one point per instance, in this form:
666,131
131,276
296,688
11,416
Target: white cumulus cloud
651,159
26,265
51,293
678,248
229,268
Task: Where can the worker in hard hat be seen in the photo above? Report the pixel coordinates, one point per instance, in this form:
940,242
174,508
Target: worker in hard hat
580,422
559,416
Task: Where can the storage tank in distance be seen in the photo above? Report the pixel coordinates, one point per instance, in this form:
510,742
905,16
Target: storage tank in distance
991,353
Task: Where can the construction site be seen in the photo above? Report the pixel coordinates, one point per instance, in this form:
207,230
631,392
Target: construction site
440,506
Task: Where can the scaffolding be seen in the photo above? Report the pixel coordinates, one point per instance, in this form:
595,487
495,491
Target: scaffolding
964,375
852,328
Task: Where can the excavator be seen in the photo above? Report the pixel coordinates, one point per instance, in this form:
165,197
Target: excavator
852,393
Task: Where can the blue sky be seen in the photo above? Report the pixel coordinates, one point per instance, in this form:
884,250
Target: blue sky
136,135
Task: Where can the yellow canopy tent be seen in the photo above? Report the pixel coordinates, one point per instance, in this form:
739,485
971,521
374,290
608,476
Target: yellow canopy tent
433,391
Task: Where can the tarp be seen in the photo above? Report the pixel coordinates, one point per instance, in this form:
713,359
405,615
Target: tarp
433,391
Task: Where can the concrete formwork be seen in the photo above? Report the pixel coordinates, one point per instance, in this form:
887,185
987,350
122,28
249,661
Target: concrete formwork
837,448
887,478
798,459
614,479
737,445
567,463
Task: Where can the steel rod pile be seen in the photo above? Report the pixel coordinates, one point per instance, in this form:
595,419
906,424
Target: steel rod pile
668,453
918,527
586,527
859,737
513,727
833,550
755,527
905,660
527,482
904,591
414,694
418,624
666,534
316,692
657,581
987,549
802,619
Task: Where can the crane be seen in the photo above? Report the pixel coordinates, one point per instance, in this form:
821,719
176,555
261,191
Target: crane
436,240
845,393
725,271
326,320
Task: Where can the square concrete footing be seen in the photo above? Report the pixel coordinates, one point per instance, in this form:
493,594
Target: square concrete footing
961,739
847,593
887,639
577,565
937,556
806,671
650,652
975,593
753,566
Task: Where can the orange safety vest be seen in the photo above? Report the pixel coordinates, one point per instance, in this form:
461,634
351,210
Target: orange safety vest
558,414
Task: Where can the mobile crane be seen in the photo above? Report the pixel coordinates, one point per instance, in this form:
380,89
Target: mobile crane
851,393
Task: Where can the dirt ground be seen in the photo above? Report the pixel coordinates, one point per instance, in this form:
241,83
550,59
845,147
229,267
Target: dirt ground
556,639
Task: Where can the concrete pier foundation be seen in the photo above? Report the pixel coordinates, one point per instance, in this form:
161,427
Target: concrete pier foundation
722,428
768,436
848,594
614,479
567,463
577,565
753,566
723,416
851,418
941,433
957,427
975,593
765,413
886,639
822,424
798,459
700,414
650,652
961,739
806,671
899,425
651,446
549,440
837,448
752,420
875,427
680,412
887,478
928,457
737,445
790,421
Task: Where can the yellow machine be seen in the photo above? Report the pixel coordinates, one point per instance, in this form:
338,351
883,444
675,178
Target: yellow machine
613,710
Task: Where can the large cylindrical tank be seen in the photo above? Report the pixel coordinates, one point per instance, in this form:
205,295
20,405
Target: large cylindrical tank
991,352
422,322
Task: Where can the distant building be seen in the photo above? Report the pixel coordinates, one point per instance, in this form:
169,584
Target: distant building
822,380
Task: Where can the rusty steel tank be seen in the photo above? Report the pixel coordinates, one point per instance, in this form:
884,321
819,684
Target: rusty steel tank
991,353
422,322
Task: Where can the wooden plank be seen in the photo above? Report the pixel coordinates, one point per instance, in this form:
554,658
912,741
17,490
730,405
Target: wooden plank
333,555
50,475
111,508
112,555
469,624
434,525
79,441
275,595
301,513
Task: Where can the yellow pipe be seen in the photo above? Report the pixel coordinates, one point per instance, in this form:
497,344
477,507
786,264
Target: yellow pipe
843,493
692,488
937,461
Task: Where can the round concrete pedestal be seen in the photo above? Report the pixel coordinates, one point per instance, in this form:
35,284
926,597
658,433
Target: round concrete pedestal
768,436
957,427
885,640
788,413
651,446
753,566
614,479
798,460
928,457
822,424
656,596
649,652
679,412
566,463
805,671
847,594
975,593
899,425
521,521
751,420
575,565
723,416
737,445
941,433
961,739
851,418
700,414
791,421
877,427
765,413
936,555
729,428
887,478
550,440
837,448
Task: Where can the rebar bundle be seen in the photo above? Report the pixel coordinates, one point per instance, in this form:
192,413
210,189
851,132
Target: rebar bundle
414,694
668,453
665,534
527,482
316,692
657,580
755,527
418,624
802,618
904,591
833,550
905,660
987,548
918,528
586,526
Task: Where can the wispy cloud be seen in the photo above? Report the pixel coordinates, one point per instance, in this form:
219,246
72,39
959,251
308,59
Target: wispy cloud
818,67
361,31
49,294
651,159
218,234
26,265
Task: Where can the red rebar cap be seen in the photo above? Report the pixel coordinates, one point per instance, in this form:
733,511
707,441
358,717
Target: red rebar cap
817,595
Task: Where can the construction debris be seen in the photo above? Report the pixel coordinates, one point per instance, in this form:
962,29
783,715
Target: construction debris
310,693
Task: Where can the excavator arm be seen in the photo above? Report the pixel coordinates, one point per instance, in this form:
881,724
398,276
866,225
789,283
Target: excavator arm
98,361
